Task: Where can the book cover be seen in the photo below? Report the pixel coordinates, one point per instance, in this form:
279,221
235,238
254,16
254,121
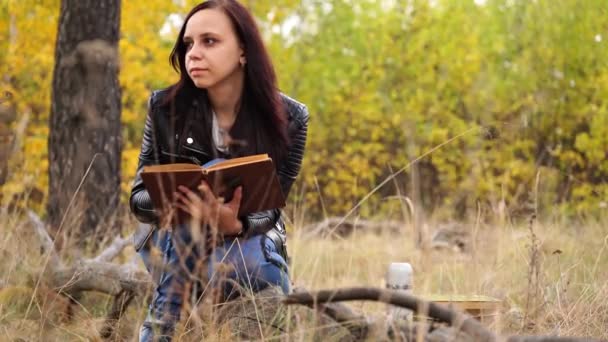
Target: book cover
256,174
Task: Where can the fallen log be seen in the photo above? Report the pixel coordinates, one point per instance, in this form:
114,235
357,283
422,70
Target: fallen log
123,281
97,274
467,323
461,322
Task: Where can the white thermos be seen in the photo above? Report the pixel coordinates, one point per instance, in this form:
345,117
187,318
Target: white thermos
399,277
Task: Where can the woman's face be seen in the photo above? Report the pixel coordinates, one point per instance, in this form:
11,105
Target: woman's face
213,51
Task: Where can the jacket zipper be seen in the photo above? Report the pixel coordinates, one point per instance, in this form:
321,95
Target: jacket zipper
195,150
194,159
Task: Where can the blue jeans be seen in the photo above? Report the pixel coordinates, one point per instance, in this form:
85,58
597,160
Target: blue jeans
252,263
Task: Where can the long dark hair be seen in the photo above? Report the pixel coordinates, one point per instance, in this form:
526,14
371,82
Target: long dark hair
261,123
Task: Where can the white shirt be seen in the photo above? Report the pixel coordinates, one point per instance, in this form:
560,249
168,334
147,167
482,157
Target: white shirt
218,135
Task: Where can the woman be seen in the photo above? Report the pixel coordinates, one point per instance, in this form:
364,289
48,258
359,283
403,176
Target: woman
225,104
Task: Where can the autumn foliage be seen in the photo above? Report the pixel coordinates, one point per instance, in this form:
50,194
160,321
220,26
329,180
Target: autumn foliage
520,86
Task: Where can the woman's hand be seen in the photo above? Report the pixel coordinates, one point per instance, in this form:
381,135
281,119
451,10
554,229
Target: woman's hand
211,210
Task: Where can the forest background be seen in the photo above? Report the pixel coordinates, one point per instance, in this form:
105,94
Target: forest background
521,84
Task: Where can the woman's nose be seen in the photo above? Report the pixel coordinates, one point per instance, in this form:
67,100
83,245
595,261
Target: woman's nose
195,53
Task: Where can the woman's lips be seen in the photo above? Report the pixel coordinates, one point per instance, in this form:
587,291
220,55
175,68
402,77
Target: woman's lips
196,71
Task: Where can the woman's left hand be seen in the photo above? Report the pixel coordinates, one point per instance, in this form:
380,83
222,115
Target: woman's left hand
211,210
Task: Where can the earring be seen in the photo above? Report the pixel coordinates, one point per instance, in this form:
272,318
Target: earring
243,62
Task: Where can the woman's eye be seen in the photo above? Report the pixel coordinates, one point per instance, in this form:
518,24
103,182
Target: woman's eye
209,41
188,45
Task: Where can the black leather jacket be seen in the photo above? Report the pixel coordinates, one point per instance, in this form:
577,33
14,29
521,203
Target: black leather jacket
156,149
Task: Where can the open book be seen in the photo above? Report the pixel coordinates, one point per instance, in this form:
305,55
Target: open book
256,174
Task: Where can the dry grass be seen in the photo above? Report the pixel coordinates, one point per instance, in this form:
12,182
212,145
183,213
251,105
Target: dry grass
556,284
552,278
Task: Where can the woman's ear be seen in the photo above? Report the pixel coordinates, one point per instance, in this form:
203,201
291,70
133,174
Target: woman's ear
242,59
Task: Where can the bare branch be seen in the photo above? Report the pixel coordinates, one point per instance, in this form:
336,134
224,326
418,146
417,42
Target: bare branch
114,249
91,275
357,324
48,247
467,323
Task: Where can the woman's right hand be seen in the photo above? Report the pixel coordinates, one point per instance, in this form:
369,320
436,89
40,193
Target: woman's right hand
208,209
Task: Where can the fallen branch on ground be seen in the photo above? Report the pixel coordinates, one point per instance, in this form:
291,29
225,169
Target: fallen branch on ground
461,321
123,281
114,249
468,324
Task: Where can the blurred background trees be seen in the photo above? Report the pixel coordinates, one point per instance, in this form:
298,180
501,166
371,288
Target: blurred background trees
385,82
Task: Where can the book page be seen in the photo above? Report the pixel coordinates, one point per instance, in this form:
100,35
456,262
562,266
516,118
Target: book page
238,161
171,167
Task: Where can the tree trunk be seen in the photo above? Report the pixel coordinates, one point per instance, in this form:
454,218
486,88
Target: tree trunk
84,138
